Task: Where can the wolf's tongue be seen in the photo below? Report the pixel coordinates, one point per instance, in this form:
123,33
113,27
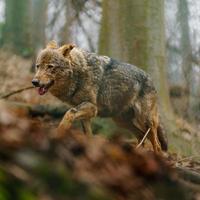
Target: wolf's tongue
42,90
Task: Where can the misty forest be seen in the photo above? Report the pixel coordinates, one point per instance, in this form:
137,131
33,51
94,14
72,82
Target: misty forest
161,37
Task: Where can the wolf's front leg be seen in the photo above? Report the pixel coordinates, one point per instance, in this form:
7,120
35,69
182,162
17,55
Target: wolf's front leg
86,123
85,111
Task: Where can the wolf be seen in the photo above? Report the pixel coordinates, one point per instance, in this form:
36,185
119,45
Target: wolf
95,85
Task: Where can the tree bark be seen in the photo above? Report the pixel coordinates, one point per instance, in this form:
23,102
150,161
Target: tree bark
39,23
186,53
66,31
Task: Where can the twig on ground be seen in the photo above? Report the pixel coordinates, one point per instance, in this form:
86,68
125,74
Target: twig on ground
4,96
143,139
187,158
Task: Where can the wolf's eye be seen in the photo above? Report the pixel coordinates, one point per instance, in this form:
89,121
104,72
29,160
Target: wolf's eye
50,66
37,66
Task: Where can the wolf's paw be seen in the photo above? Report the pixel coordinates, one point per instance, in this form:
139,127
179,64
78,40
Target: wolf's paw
66,123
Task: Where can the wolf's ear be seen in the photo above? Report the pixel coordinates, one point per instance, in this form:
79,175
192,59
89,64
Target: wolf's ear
65,49
52,45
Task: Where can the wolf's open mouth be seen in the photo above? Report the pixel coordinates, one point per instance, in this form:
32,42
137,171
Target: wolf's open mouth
44,88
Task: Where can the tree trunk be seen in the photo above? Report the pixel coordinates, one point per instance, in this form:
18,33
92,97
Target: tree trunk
17,29
39,23
66,31
135,32
186,52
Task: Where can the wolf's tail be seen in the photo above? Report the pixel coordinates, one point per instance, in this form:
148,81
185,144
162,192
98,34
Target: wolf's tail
162,137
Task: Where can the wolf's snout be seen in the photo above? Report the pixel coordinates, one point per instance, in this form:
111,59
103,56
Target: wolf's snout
36,82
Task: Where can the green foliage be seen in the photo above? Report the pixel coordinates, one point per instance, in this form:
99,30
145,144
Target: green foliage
56,181
4,194
10,189
59,181
26,52
104,126
24,194
1,32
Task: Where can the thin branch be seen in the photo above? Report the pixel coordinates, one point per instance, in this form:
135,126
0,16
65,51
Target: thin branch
143,139
86,35
90,16
56,15
187,158
4,96
193,58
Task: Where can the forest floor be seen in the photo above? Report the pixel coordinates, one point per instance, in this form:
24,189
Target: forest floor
31,159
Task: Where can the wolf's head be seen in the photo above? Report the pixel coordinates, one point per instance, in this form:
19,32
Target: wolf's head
53,67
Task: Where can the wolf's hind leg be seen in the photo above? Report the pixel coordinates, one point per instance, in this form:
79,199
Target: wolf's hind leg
84,111
154,140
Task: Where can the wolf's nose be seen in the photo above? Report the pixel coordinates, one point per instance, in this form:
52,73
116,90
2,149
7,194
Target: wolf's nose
35,82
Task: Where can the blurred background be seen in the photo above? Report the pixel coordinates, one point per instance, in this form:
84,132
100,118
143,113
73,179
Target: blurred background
161,37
